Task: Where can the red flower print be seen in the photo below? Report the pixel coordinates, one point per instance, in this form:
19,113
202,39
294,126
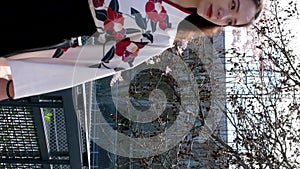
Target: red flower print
114,23
98,3
156,13
128,49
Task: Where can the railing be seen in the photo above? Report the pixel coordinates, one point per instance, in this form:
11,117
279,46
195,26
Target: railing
41,132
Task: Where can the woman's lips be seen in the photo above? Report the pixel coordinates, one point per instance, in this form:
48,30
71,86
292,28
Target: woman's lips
209,11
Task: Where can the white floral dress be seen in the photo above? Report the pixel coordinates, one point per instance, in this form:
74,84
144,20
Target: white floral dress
129,33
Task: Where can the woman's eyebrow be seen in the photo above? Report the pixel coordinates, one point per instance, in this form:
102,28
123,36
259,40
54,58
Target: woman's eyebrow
238,6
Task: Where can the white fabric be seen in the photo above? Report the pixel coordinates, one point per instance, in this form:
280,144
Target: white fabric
37,73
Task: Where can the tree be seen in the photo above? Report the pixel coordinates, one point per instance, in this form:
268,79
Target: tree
263,97
262,102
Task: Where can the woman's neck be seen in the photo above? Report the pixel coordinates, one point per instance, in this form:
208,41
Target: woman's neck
186,3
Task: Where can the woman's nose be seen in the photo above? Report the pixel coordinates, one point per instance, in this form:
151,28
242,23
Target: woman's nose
221,14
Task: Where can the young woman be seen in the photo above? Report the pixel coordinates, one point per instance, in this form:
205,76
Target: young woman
127,33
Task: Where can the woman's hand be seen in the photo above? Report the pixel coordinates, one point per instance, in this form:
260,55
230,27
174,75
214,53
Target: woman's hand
6,89
4,69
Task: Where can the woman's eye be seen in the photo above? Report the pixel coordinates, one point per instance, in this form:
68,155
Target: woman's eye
229,22
232,5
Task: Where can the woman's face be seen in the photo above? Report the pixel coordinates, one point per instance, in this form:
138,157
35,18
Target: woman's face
227,12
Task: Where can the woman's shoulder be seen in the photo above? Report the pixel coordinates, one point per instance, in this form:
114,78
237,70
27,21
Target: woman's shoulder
155,12
126,6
